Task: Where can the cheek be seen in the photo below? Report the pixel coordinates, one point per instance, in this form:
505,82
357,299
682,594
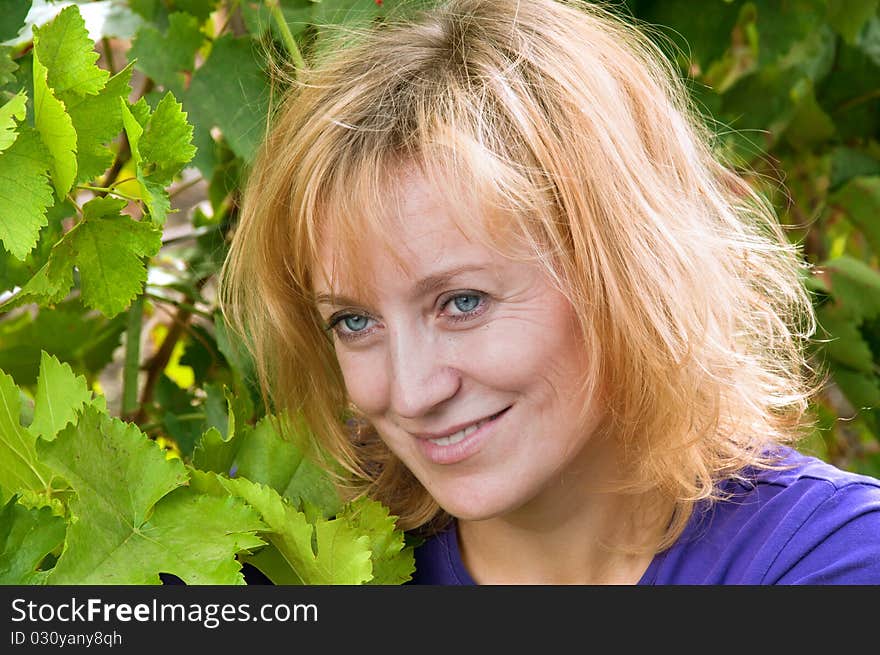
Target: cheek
528,350
366,381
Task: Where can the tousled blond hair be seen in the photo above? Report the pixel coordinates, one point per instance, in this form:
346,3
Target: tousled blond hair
563,126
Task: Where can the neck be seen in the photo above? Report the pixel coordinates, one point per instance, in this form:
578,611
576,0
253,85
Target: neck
572,532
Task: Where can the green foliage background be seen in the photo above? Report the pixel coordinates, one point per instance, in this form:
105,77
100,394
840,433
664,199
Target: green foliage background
132,438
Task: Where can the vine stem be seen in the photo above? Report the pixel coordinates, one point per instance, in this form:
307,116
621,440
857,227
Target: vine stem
289,42
131,367
192,309
156,366
106,190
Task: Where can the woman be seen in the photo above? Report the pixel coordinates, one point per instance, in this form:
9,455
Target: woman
569,342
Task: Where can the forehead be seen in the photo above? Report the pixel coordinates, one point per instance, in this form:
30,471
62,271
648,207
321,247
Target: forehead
419,230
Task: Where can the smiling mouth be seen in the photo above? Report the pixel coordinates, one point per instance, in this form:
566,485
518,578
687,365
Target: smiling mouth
461,435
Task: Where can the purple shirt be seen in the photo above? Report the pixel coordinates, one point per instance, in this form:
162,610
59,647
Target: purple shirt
811,524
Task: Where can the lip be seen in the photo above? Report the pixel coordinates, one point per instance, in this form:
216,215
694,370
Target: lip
465,448
456,428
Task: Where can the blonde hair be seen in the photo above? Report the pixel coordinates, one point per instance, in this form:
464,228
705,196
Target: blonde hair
562,124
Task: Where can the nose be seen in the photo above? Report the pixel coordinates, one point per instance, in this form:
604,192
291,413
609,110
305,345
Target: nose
421,377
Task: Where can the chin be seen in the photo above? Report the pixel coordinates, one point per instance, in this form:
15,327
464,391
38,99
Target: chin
475,506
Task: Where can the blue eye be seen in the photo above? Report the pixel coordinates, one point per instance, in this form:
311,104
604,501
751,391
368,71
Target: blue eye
468,305
466,302
355,323
348,326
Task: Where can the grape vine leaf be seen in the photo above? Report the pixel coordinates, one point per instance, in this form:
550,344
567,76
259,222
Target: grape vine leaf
85,340
266,457
49,285
168,59
262,455
847,163
7,66
12,111
166,145
201,9
26,537
848,17
56,129
60,395
161,145
215,453
65,49
133,516
12,15
845,343
20,468
781,25
323,552
392,563
860,199
97,120
230,91
25,193
109,252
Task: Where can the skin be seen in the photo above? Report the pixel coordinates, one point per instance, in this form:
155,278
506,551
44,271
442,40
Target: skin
527,502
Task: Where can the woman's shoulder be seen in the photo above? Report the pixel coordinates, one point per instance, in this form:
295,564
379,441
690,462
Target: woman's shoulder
802,522
438,560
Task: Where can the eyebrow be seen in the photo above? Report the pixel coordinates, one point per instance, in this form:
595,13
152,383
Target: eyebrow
422,287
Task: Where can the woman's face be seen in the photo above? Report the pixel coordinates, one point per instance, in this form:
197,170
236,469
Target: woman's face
468,365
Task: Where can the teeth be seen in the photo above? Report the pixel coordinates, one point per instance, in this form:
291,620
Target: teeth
460,435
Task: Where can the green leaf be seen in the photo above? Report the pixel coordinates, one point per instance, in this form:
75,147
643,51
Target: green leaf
168,59
266,457
847,163
201,9
810,125
166,145
859,199
12,111
392,564
868,40
861,389
49,285
26,537
782,24
24,193
230,91
97,120
63,46
86,340
844,341
56,130
7,66
219,410
12,15
848,17
15,272
856,288
326,552
701,36
109,253
215,453
132,519
60,395
258,18
133,120
159,151
849,94
20,469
